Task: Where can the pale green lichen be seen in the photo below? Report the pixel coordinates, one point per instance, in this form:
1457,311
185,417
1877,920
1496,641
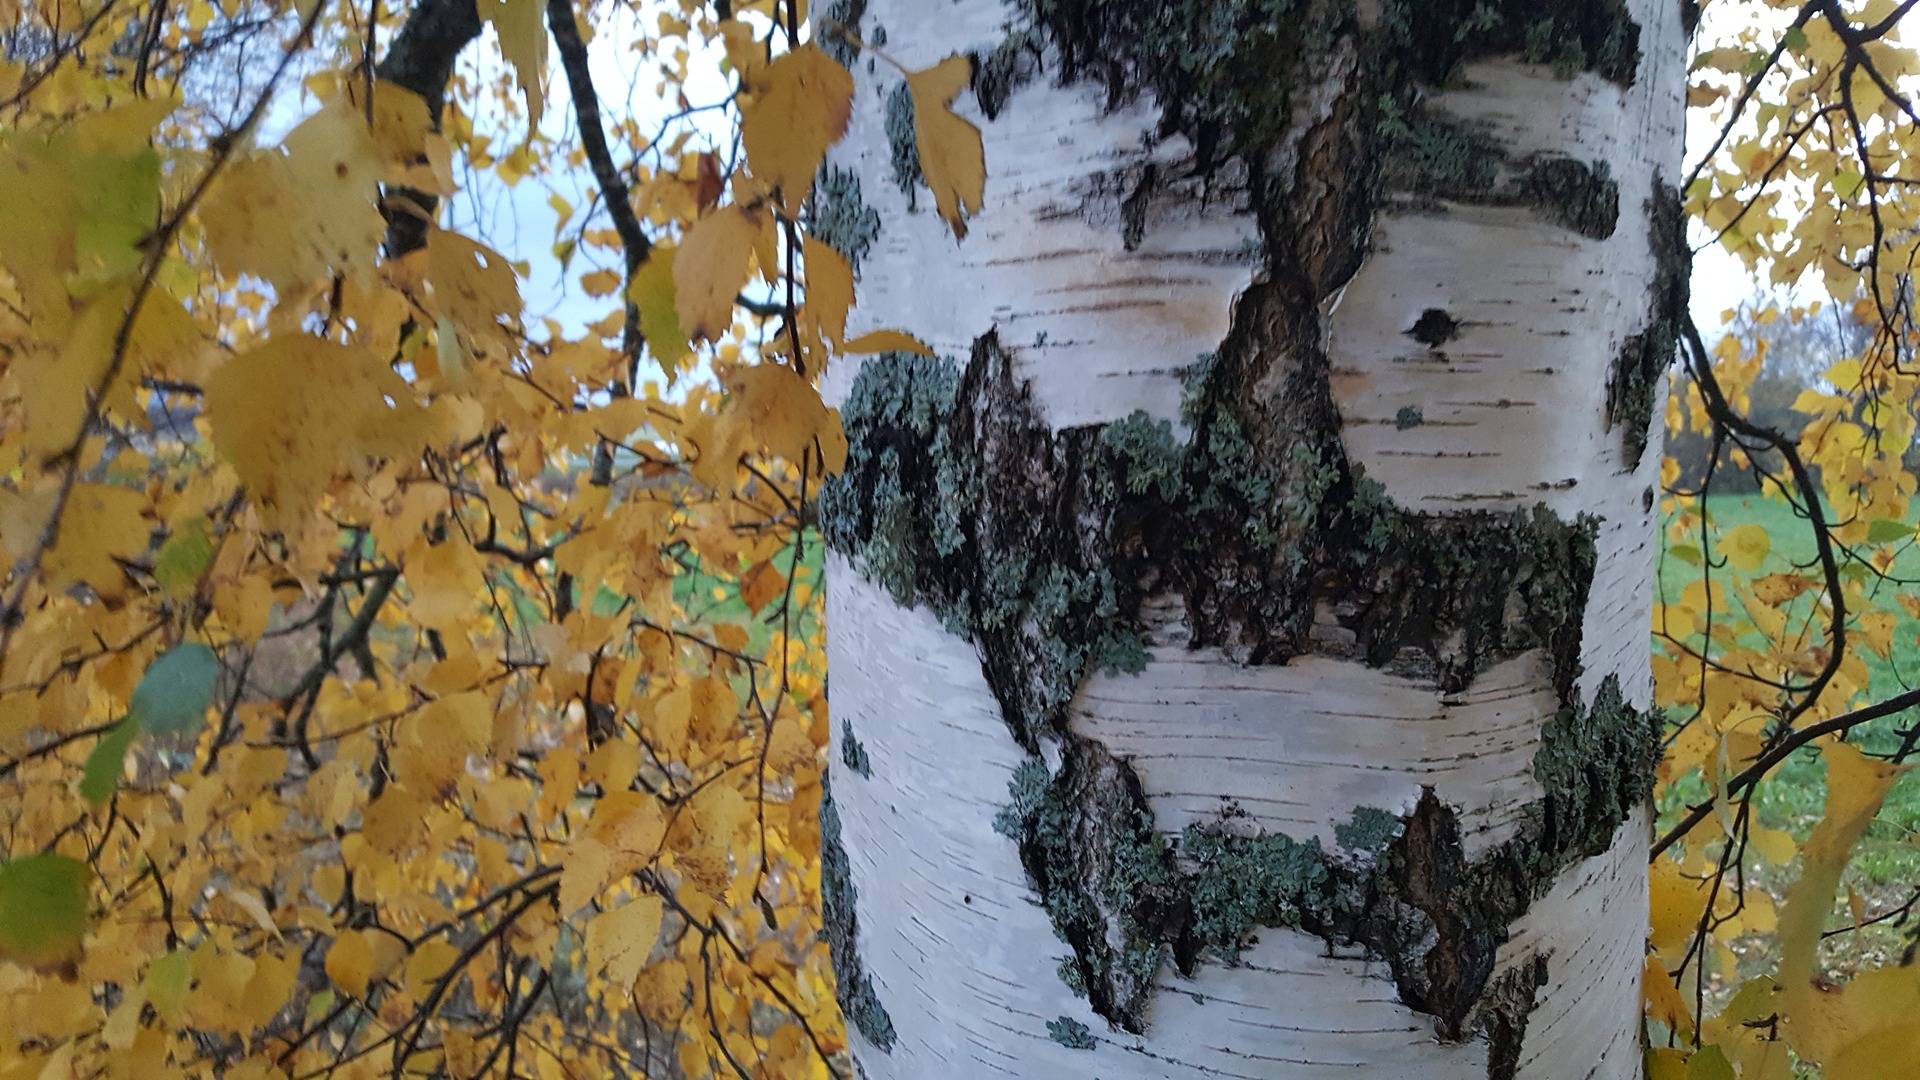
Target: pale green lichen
838,23
903,144
859,1002
841,219
1071,1034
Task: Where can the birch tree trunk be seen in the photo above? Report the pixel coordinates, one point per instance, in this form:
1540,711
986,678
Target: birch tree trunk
1239,642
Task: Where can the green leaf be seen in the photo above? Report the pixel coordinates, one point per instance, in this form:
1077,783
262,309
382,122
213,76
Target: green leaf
1686,553
1887,530
43,909
1795,37
102,772
174,693
1709,1063
166,983
184,557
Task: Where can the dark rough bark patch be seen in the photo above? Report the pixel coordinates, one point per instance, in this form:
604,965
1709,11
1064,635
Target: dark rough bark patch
1504,1014
1106,877
859,1003
1434,328
1635,380
1580,196
1001,71
1570,35
1409,894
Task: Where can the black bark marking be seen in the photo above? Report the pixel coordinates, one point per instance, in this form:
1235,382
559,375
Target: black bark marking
1434,328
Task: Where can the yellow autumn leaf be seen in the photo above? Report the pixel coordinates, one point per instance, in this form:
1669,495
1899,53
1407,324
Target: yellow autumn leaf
619,941
952,156
600,282
829,290
297,411
1676,904
1746,546
295,214
103,523
1886,1054
349,962
1818,1019
710,268
1663,998
799,106
883,341
775,408
523,41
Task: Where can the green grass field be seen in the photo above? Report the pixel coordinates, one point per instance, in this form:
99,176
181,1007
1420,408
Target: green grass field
1886,865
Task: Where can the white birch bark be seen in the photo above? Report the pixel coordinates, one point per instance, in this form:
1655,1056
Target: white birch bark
950,930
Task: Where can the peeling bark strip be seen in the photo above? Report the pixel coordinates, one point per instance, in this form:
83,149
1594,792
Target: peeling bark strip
1241,518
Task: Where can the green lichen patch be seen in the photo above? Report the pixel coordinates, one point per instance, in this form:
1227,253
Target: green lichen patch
1642,363
999,72
1432,158
1239,882
1596,764
1105,876
1408,417
859,1002
838,23
902,144
841,218
1216,67
1437,36
1071,1034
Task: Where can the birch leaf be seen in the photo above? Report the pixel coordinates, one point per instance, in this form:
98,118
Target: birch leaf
523,41
1818,1019
884,341
952,156
829,290
619,941
43,910
800,106
711,267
